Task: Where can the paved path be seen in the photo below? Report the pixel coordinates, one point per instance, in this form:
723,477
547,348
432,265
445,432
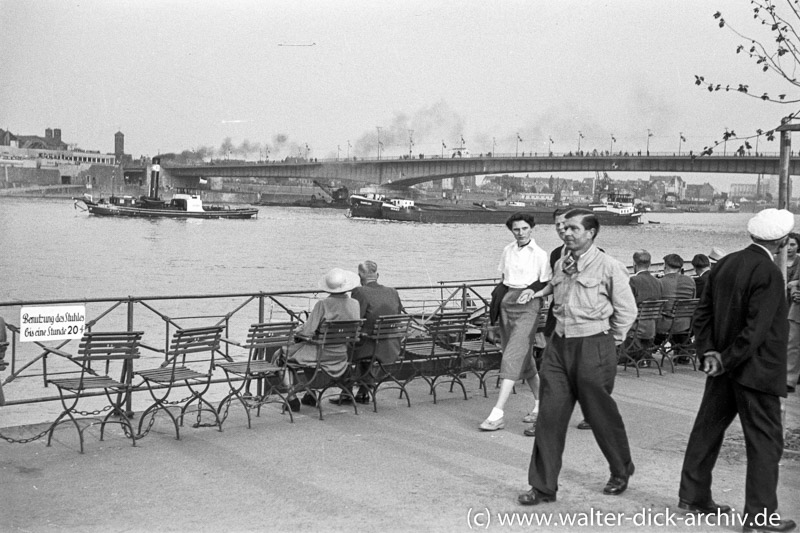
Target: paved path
426,468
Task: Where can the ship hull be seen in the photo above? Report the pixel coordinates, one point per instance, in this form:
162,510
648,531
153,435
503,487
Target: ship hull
435,214
137,212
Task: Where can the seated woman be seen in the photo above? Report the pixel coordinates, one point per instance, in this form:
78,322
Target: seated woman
337,306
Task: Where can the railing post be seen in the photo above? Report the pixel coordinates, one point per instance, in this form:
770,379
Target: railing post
261,308
127,368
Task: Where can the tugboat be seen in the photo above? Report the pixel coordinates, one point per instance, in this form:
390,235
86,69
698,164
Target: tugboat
152,206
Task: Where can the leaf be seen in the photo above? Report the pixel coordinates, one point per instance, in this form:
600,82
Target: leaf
765,96
739,48
747,145
721,23
742,88
717,15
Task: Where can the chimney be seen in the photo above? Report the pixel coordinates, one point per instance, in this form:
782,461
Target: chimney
119,145
57,135
48,134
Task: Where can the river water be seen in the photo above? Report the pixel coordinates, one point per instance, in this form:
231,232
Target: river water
51,251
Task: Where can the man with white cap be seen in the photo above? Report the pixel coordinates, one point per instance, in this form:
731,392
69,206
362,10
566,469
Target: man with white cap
741,332
715,255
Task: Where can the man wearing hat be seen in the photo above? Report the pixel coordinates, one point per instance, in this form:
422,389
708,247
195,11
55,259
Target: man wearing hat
715,255
702,266
741,332
674,286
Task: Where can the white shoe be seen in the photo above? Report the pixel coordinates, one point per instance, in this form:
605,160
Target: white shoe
531,417
493,425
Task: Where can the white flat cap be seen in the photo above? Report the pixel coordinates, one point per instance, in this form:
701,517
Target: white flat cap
771,224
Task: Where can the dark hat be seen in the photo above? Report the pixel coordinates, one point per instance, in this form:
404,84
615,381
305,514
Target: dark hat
673,260
700,261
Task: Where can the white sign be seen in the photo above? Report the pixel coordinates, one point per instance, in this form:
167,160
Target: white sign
51,323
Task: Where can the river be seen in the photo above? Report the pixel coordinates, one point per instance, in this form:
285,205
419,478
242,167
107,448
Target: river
50,250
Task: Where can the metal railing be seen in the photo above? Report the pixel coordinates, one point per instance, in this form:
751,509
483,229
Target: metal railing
32,364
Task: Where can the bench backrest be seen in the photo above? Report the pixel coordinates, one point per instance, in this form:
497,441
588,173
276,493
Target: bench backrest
108,345
189,341
338,332
389,327
270,335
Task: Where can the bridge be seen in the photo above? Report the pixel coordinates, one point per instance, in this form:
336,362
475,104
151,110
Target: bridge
406,171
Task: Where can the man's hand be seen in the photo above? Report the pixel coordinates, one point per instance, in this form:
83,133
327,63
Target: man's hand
712,364
525,297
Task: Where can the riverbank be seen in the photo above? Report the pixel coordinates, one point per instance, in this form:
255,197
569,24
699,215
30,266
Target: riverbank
401,469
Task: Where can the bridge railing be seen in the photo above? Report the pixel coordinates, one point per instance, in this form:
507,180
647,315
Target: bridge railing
633,154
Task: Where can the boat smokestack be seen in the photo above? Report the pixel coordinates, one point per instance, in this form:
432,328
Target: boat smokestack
155,174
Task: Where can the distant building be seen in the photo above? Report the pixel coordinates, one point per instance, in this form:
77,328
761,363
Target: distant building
699,193
747,191
672,185
50,141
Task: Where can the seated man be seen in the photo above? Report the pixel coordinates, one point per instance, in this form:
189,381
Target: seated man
645,287
674,286
702,268
375,301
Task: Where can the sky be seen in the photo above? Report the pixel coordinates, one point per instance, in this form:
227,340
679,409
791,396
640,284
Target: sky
322,78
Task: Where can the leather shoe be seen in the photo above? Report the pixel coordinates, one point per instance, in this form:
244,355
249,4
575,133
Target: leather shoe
294,404
531,431
309,400
617,484
709,507
534,497
531,417
342,399
493,425
783,525
362,398
584,425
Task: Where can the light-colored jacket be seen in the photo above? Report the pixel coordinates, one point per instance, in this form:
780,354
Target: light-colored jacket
596,299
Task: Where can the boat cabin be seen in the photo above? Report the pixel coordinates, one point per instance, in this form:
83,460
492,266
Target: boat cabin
187,202
123,201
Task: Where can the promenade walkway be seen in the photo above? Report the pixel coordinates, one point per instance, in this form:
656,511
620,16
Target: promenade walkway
426,468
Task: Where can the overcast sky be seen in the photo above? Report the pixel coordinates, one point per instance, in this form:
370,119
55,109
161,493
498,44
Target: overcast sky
176,75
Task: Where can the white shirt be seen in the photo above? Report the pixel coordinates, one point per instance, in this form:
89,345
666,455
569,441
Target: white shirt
522,266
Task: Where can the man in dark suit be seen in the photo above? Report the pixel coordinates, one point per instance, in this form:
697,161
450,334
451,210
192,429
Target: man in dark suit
702,267
741,332
375,301
674,286
645,287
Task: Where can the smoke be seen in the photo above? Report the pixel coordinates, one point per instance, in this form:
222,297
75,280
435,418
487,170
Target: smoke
423,131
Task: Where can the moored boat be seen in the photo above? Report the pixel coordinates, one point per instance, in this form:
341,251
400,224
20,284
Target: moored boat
398,209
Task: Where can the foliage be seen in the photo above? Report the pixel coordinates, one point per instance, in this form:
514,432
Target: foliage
780,56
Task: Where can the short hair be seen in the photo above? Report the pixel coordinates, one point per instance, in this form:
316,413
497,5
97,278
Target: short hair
673,261
795,236
701,261
524,217
558,212
368,269
642,257
588,219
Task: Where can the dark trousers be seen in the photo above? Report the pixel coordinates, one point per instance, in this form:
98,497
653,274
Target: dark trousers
583,370
760,415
